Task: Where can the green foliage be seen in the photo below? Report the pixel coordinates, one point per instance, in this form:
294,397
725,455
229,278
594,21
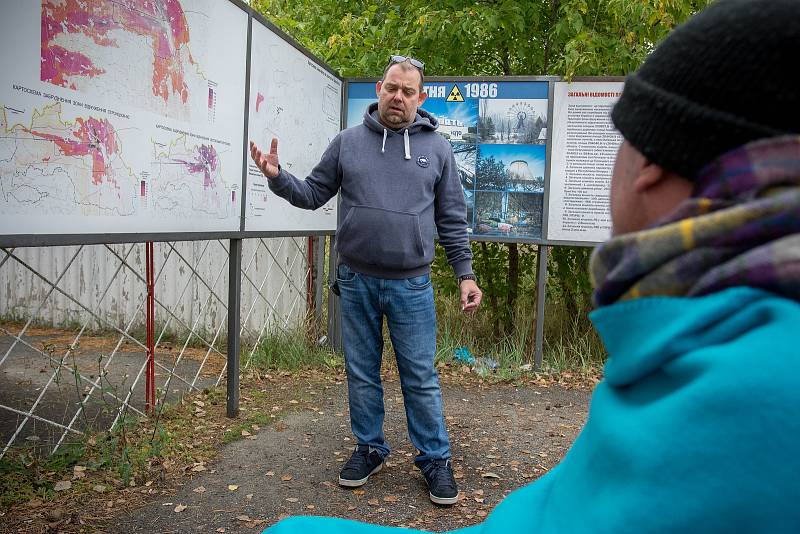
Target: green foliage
568,278
500,37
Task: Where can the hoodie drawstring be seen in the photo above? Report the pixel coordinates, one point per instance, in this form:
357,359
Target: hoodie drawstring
406,143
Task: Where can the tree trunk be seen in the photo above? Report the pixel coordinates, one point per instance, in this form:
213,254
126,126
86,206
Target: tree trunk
513,281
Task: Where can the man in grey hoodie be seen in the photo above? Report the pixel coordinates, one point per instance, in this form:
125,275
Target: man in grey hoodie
399,186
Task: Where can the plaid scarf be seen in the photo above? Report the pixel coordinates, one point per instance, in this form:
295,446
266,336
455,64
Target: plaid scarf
741,227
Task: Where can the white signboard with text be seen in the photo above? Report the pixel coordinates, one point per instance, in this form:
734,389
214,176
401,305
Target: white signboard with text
585,145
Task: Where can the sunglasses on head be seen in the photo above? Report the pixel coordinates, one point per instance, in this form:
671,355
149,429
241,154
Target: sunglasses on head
415,62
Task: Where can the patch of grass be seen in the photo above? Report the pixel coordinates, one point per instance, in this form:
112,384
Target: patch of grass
292,350
23,476
234,433
570,343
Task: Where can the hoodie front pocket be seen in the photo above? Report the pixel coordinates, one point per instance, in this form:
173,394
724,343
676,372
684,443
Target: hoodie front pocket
381,237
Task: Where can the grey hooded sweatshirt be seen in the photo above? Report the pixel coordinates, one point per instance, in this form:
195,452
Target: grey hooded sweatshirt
397,190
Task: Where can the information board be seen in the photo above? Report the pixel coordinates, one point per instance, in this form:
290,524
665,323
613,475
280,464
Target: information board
585,145
117,117
299,102
498,130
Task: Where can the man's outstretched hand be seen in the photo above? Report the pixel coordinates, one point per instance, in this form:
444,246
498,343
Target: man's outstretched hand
268,163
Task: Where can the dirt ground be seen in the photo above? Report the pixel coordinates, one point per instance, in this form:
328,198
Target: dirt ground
502,438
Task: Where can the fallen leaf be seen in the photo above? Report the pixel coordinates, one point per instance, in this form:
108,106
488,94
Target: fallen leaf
221,529
270,473
98,488
391,498
292,499
480,513
310,506
489,474
62,485
373,502
458,475
198,468
249,496
243,517
245,433
180,508
199,489
286,478
233,487
359,492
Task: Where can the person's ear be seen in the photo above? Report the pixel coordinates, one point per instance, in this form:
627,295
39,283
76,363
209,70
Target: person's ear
422,97
378,88
650,175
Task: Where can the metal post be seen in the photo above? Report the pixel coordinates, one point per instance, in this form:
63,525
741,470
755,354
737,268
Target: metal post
310,277
319,278
541,290
334,310
150,378
234,310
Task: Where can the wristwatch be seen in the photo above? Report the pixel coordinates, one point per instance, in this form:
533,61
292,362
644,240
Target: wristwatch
466,277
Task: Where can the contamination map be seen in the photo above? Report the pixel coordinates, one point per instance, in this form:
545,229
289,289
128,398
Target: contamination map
121,116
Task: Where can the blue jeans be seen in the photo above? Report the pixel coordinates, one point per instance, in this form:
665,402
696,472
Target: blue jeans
411,316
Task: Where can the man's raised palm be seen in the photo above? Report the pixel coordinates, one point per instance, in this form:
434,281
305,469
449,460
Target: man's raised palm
268,163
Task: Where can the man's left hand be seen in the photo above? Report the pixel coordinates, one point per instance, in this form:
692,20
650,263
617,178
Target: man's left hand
470,296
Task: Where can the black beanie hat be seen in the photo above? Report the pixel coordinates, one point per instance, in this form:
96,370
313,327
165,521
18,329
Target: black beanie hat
726,77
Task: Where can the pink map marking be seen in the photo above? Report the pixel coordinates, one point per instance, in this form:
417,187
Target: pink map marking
162,21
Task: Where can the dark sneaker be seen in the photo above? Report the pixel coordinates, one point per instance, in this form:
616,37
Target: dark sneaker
441,484
360,466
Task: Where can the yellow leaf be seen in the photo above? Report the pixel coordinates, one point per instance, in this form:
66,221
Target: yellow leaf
233,487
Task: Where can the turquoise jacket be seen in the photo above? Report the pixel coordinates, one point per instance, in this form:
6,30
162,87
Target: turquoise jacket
695,427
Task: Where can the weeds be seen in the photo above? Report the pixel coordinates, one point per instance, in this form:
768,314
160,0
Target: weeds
293,350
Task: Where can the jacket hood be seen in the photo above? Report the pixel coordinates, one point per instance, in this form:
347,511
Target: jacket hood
423,121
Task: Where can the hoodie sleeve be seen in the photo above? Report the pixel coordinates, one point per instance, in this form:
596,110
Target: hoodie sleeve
451,217
318,188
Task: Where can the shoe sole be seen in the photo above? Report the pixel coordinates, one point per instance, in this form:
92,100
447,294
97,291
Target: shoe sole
443,500
361,481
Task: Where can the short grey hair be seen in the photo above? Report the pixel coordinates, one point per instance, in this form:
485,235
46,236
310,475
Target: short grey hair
405,65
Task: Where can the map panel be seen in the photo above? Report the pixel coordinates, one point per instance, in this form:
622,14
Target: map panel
298,102
111,116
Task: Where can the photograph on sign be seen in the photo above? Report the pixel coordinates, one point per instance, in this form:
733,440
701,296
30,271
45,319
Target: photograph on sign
118,120
585,145
296,101
498,131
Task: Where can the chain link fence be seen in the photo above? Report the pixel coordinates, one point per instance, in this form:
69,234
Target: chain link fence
74,337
